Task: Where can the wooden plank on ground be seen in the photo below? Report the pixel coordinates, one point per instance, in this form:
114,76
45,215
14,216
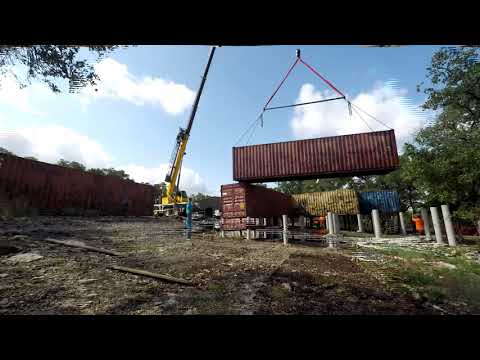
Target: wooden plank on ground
85,247
150,274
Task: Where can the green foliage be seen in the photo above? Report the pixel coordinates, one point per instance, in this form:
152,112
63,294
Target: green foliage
31,158
49,63
299,187
199,197
445,158
5,151
110,172
71,164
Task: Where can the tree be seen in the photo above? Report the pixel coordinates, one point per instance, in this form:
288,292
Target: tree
199,197
71,164
307,186
445,157
5,151
49,63
31,158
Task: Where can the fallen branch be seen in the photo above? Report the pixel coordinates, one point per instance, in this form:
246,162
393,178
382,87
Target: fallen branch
86,247
150,274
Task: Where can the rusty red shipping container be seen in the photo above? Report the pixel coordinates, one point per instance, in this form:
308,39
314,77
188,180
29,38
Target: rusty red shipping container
51,189
335,156
239,201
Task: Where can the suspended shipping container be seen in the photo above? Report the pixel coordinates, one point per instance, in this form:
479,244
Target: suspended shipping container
386,202
336,156
29,185
341,202
240,201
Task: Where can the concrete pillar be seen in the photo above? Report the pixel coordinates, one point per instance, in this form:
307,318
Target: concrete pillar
426,224
437,226
222,234
302,221
285,239
330,223
447,219
377,228
248,234
265,222
360,224
403,230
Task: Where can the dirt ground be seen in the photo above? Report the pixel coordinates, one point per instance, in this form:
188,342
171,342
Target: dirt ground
230,276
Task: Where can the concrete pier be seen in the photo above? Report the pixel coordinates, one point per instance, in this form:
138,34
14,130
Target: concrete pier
447,220
377,227
426,224
360,224
330,223
403,230
285,238
437,226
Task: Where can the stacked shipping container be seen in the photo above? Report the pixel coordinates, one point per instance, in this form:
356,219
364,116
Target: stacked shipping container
240,201
341,202
33,185
386,202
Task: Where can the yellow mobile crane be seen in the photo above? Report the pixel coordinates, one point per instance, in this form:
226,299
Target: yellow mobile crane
174,200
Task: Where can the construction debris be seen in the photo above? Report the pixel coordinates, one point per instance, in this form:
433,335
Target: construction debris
25,257
150,274
80,245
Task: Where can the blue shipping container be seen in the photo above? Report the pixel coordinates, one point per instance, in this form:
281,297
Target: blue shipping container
386,202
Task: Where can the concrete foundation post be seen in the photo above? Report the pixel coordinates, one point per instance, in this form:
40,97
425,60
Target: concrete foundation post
447,219
248,234
360,224
285,239
377,228
403,230
426,224
330,223
437,227
337,224
222,234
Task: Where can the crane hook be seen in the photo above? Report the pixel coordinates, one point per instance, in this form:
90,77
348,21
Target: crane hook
298,53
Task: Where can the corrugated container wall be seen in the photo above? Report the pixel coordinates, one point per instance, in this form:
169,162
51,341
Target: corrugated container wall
240,201
336,156
386,202
51,189
341,202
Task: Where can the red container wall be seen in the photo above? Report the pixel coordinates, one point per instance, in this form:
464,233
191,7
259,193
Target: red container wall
28,184
346,155
239,201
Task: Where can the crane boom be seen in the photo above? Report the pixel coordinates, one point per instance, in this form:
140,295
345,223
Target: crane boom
171,196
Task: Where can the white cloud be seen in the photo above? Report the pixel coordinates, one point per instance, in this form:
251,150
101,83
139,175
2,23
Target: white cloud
116,82
386,102
190,181
12,95
50,143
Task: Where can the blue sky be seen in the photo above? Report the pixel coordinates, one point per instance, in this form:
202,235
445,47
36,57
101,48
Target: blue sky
146,93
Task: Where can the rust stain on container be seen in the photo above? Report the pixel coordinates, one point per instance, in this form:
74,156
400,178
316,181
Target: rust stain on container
336,156
51,189
239,201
